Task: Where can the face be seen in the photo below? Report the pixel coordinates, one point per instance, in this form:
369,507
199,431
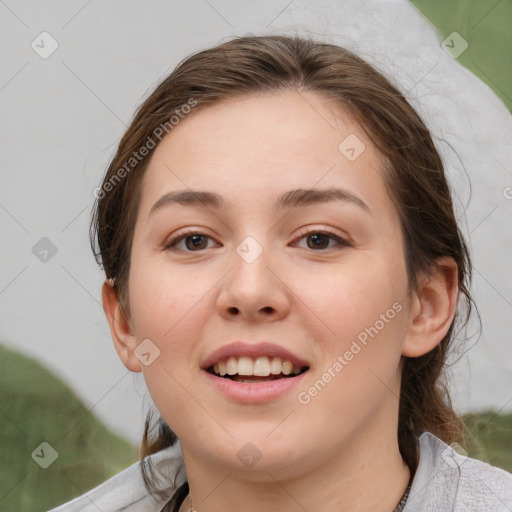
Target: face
302,295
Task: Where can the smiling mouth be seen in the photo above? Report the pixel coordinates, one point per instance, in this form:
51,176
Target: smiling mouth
261,369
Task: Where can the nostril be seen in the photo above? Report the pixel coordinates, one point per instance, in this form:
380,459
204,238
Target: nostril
233,310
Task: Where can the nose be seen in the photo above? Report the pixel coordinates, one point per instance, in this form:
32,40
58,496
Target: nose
254,290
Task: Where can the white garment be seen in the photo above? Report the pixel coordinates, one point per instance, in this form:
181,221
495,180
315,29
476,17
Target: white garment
444,482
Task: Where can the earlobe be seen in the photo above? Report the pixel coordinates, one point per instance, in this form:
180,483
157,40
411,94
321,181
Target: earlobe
432,309
120,329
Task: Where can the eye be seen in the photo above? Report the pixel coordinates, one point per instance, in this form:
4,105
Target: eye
193,241
315,239
321,239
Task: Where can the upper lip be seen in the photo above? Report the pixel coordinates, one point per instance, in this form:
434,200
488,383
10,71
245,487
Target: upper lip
253,350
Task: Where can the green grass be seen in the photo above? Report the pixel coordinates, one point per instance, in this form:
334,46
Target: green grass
486,25
35,407
490,438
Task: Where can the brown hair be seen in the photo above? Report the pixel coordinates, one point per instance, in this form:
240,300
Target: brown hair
414,177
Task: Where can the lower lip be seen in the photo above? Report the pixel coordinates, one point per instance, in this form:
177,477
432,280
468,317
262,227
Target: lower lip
254,392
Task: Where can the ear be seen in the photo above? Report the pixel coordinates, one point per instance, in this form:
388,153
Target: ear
122,335
432,309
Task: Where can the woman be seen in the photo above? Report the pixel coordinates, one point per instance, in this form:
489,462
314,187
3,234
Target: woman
284,267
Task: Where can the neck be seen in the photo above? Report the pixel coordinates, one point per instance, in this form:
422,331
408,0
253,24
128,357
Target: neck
367,473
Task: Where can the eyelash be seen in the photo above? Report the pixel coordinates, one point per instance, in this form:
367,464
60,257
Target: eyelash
342,243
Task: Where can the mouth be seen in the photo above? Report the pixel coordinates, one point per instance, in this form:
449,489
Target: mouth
254,373
253,370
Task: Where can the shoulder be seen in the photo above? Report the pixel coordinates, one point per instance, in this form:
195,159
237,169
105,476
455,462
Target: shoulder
126,491
448,481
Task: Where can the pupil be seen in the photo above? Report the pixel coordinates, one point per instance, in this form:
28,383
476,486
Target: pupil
196,241
316,237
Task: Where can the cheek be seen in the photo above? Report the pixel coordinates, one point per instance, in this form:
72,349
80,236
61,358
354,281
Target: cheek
167,314
360,362
163,301
352,298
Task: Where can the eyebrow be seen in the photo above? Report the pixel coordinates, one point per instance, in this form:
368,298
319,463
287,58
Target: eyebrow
290,199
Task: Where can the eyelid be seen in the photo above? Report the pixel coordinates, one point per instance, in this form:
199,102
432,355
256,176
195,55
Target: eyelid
181,234
342,240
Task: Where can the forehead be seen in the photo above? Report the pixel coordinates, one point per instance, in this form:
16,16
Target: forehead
264,143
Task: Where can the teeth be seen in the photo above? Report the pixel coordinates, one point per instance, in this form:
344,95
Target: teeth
260,367
245,366
276,366
287,367
231,366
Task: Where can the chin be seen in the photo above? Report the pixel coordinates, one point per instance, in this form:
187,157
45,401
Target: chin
255,455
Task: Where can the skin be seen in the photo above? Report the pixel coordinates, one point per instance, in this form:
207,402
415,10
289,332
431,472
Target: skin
339,452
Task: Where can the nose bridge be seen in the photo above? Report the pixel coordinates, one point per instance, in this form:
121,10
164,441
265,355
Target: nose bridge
251,263
250,250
